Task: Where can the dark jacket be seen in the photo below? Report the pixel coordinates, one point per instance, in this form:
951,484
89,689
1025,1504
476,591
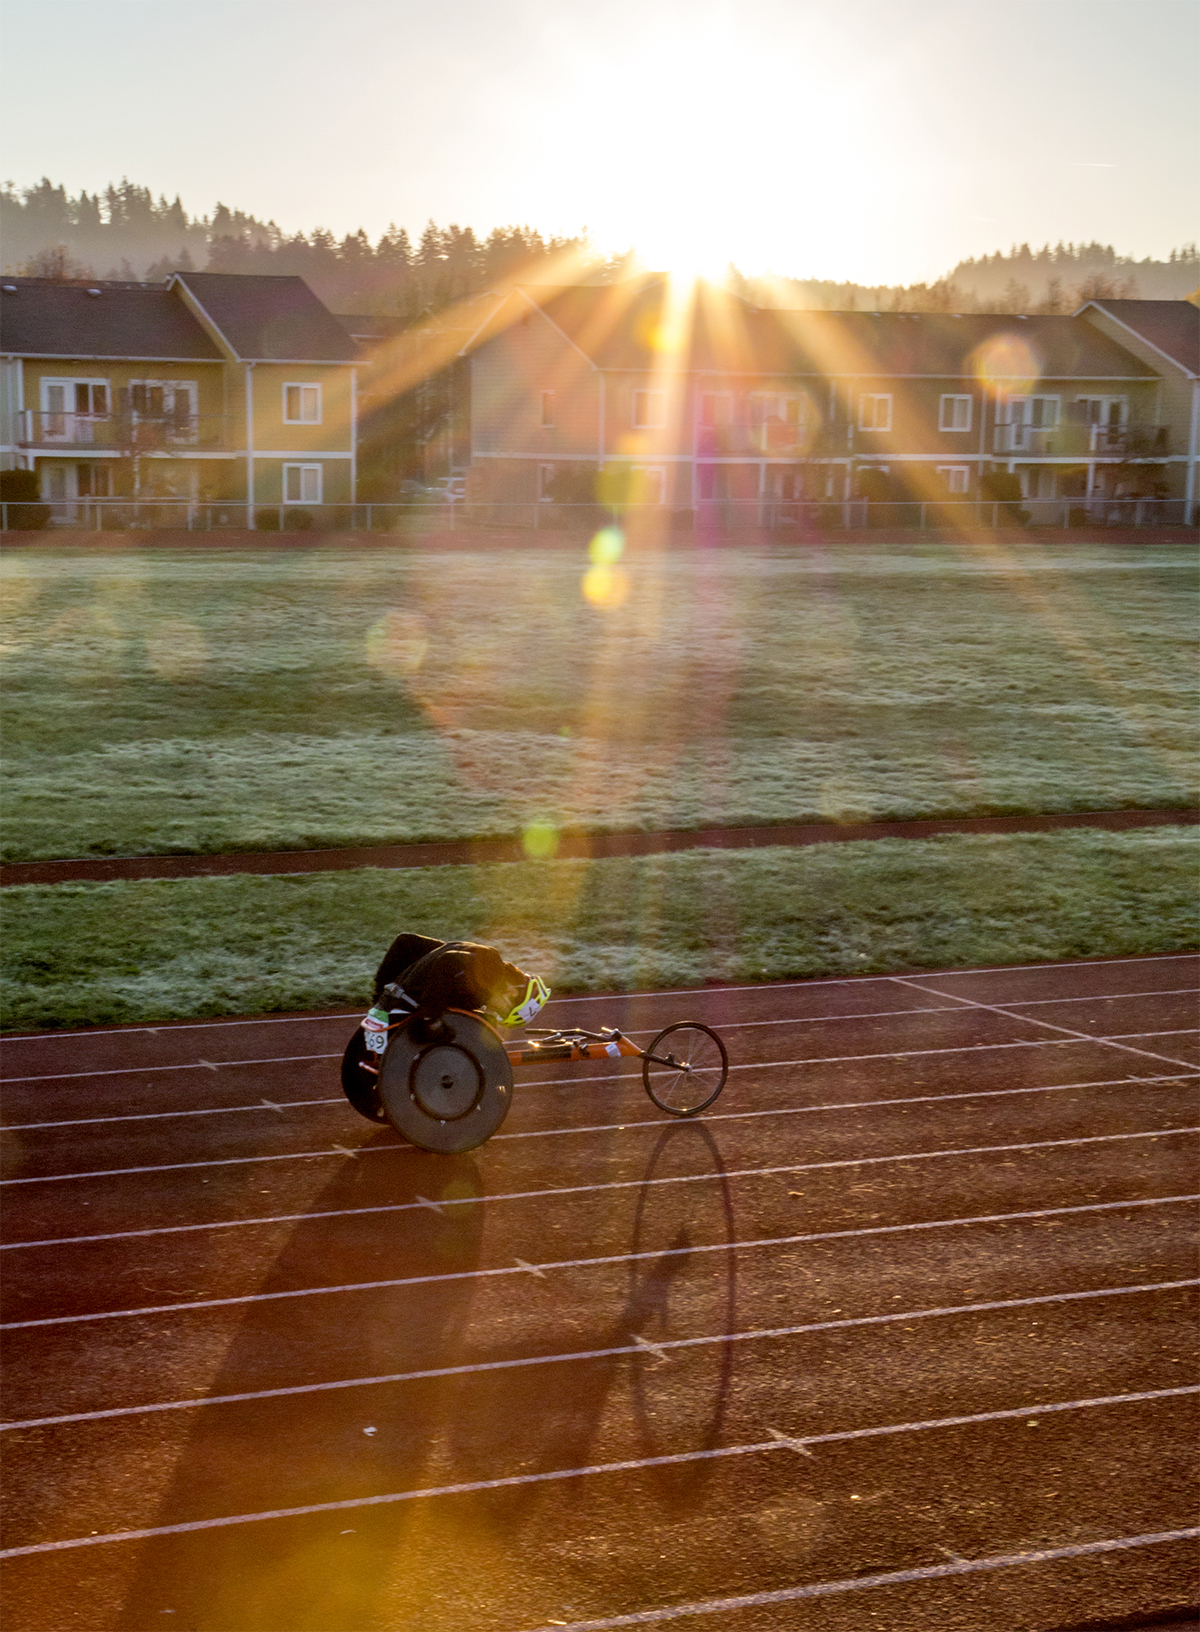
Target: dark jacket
441,975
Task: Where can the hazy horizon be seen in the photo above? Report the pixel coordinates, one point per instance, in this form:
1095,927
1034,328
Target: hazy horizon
882,141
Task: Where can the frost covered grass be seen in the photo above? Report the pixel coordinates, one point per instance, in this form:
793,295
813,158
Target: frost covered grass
207,700
79,954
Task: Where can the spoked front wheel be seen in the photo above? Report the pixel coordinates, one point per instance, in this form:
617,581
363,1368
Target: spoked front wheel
684,1068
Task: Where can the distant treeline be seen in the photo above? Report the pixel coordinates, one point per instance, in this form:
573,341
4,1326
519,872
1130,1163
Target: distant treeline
125,232
1023,280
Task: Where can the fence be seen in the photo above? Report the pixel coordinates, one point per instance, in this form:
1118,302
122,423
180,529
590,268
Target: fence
772,515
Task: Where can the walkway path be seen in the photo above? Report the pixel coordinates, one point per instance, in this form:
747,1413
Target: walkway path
460,851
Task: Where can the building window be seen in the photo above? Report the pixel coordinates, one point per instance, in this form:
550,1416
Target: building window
650,484
649,410
1111,412
716,408
301,484
875,413
70,408
93,481
547,408
956,477
302,404
545,482
1039,413
955,414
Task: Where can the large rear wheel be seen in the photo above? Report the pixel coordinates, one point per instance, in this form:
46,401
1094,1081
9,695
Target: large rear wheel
684,1068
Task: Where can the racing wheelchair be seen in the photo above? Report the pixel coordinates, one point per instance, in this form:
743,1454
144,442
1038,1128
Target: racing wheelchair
445,1084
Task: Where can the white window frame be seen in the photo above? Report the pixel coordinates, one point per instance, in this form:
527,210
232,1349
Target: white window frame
649,409
950,410
1019,411
653,474
547,410
302,471
1106,403
545,478
76,427
302,418
874,398
957,479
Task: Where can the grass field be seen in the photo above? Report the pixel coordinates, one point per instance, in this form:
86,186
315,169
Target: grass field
208,700
163,950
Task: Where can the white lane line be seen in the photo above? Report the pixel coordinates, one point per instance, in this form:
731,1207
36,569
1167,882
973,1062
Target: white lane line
156,1070
730,1025
883,1578
737,1025
1066,1031
589,1189
627,997
767,1065
930,1425
522,1266
646,1122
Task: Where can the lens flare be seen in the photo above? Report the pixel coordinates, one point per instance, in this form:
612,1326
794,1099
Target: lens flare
607,548
540,840
1007,363
605,586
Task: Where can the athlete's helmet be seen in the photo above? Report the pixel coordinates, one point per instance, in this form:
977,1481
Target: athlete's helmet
535,996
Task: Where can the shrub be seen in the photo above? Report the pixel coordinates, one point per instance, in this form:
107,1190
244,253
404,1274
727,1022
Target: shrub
297,521
1002,487
267,519
19,491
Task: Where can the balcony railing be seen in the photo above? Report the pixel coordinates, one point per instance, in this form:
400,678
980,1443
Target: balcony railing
1082,441
119,433
773,439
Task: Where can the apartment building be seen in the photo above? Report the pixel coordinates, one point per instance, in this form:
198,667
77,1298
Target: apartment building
685,401
209,387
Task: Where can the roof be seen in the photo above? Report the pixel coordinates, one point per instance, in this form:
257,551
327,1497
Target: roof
948,345
1172,327
43,318
268,319
632,325
366,327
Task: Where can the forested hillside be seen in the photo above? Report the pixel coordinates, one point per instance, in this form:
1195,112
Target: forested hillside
125,232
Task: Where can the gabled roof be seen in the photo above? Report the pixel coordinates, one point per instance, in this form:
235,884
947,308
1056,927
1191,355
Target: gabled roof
950,346
42,318
642,325
268,319
1172,327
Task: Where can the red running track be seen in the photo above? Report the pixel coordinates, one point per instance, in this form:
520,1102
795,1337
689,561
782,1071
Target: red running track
900,1335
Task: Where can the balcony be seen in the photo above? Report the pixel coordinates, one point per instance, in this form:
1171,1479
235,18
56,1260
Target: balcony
1082,441
773,440
125,434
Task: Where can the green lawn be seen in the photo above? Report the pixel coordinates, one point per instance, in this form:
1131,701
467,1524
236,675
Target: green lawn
204,700
169,949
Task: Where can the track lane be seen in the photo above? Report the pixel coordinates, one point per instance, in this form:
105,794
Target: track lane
302,1250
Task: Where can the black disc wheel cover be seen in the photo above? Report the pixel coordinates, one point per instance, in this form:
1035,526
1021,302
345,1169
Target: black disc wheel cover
448,1088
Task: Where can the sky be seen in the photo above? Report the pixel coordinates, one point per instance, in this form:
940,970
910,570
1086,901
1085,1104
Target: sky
873,140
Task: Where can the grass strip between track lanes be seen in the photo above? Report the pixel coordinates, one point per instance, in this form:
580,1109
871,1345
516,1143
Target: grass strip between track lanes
522,1268
774,1444
586,1189
884,1578
160,950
